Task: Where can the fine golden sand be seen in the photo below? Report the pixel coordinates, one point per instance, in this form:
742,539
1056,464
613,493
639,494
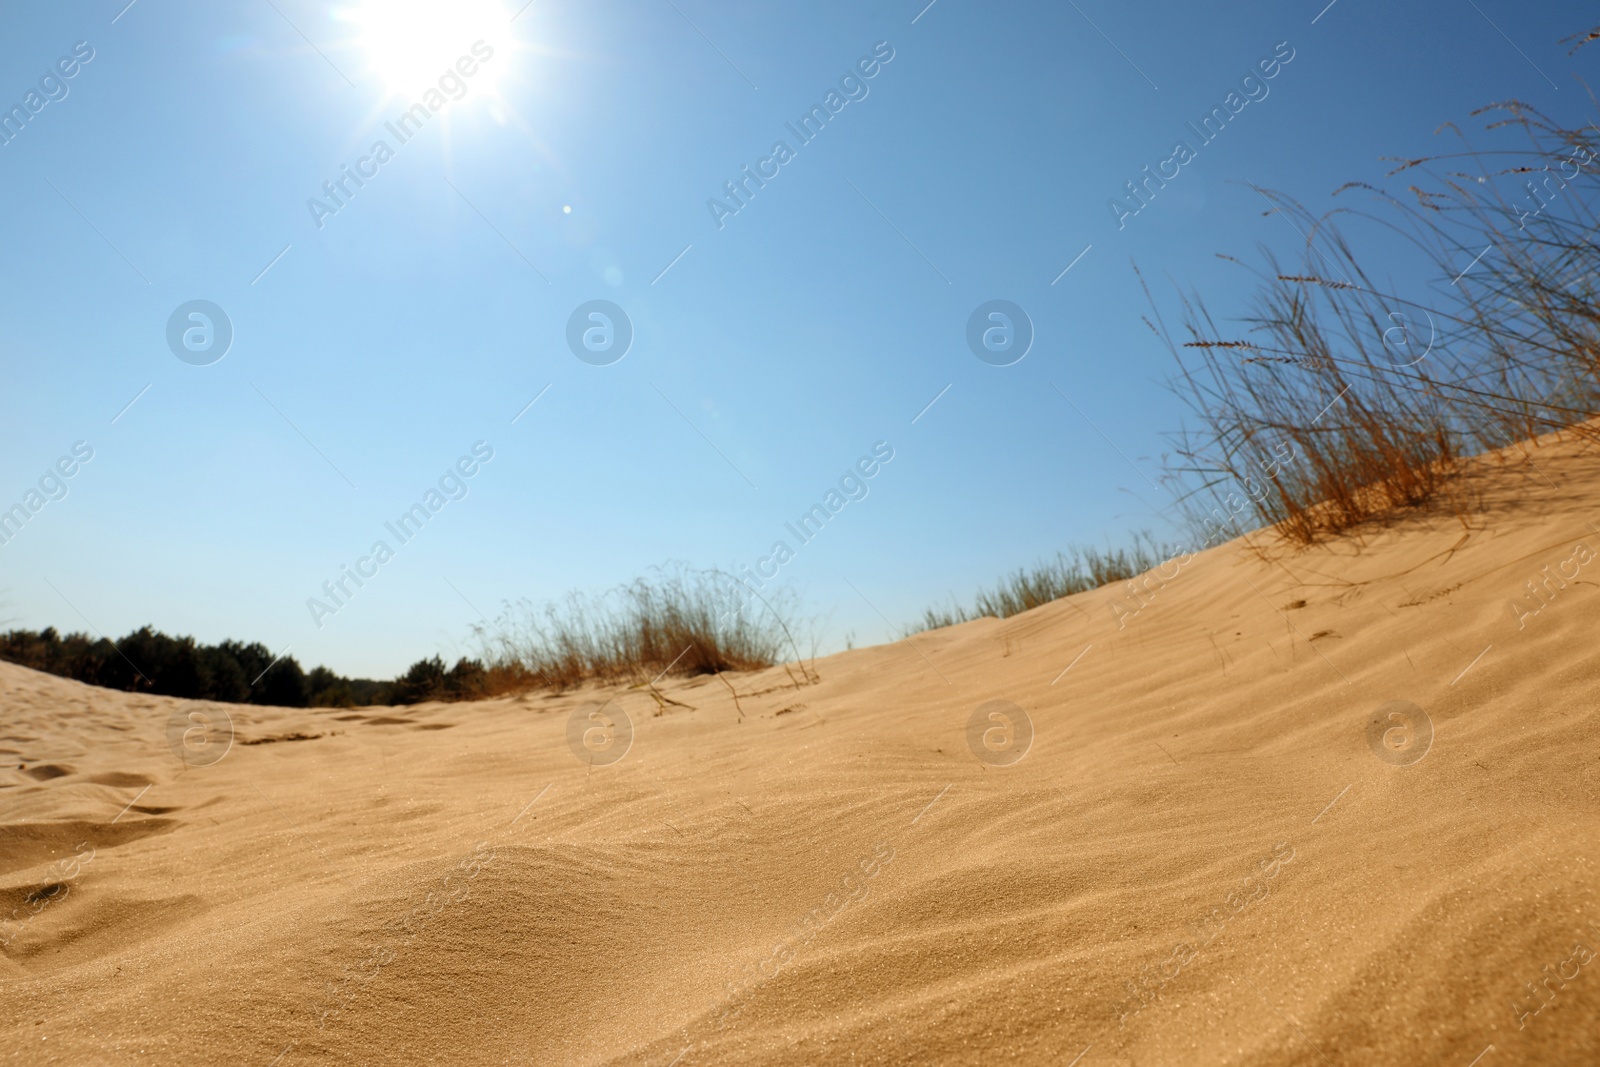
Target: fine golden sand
1207,854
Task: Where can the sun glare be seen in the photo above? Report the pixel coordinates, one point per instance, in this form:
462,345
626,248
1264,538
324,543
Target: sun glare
411,44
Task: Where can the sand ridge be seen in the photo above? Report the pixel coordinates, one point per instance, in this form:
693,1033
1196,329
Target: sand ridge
1200,858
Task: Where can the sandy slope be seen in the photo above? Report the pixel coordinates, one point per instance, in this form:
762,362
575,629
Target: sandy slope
838,878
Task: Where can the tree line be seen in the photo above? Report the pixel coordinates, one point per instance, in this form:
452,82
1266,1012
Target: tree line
232,672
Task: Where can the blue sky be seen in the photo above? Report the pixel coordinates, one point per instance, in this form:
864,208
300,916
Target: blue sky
374,345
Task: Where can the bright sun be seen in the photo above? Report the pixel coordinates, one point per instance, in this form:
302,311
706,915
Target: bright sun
411,43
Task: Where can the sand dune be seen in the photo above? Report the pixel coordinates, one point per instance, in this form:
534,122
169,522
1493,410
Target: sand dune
1200,858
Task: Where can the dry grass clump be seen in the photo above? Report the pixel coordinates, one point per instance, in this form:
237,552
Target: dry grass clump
1075,571
1317,382
1382,396
680,621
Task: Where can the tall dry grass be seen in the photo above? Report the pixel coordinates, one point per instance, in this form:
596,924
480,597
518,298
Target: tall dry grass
1074,571
1383,395
679,621
1315,375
